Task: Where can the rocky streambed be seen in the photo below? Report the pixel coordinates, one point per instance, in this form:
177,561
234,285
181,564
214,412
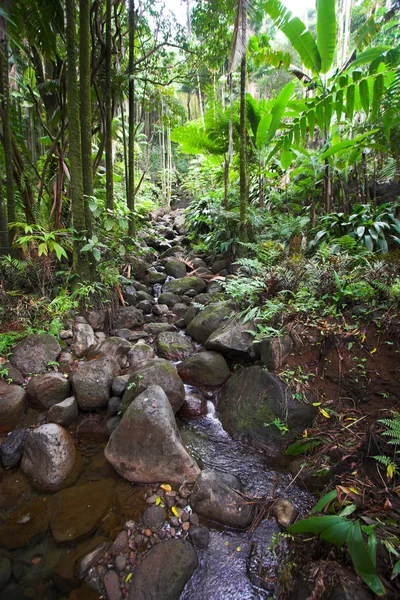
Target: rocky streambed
132,458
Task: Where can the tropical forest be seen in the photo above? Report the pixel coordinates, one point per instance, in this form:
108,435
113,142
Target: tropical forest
199,299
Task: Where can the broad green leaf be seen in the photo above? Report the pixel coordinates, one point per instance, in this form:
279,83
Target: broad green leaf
369,243
314,524
43,249
311,121
286,159
396,569
59,250
262,131
377,94
368,56
338,533
364,95
96,254
319,113
324,501
362,561
278,109
108,224
350,101
348,510
339,105
360,231
326,32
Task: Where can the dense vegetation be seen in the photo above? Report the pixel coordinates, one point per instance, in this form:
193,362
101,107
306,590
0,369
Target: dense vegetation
280,137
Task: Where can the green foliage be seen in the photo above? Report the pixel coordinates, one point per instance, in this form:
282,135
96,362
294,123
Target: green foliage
392,432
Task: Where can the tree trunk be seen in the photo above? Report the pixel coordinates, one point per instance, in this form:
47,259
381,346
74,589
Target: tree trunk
226,182
86,107
7,135
131,125
80,260
243,236
4,243
108,109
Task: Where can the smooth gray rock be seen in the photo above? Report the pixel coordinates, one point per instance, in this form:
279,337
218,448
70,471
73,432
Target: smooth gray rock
34,353
12,447
169,299
129,317
274,351
47,389
173,346
83,339
175,268
204,369
64,413
5,571
91,383
12,406
140,352
111,347
232,339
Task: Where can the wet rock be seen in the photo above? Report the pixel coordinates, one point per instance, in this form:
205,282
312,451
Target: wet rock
24,525
154,517
173,346
215,287
96,318
175,268
64,413
13,374
111,347
284,512
160,309
112,424
129,317
274,351
214,498
50,458
232,339
64,573
164,572
37,562
34,353
150,417
252,399
47,389
140,352
182,286
91,383
11,448
12,406
89,560
171,252
120,546
156,328
264,560
156,277
5,571
113,406
208,320
169,299
198,263
120,562
194,406
84,592
145,306
155,372
203,299
111,584
83,339
78,511
205,369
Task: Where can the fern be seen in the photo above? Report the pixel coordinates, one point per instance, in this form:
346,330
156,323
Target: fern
393,432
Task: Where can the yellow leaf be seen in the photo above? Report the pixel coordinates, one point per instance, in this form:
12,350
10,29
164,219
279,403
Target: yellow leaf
238,549
175,512
305,434
350,419
166,487
158,500
227,543
373,351
391,470
363,337
128,578
324,413
354,491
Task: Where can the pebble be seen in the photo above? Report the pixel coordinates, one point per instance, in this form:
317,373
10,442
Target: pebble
120,545
194,519
172,531
182,502
184,516
120,562
152,499
148,533
111,583
186,526
130,525
174,521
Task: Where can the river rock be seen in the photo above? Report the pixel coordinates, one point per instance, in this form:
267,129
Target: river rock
157,328
252,399
64,573
200,536
182,286
194,406
5,571
78,511
173,346
96,318
64,413
154,517
156,277
50,458
34,353
145,306
155,372
91,383
175,268
15,375
164,572
66,361
284,512
112,424
119,384
232,339
47,389
204,369
208,320
160,309
180,309
12,406
12,446
274,351
214,498
129,450
111,347
24,525
113,405
140,352
129,317
111,584
83,339
219,265
180,224
121,544
169,299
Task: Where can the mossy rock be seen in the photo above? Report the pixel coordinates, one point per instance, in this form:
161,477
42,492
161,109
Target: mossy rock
181,286
173,346
208,320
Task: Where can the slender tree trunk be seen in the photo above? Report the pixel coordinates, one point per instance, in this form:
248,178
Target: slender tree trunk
7,135
4,243
80,260
108,109
86,107
226,182
327,186
243,153
131,127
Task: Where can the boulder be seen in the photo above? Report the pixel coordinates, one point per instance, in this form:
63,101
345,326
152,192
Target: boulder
50,458
200,536
164,572
155,372
274,351
47,389
219,265
173,346
182,286
208,320
169,299
145,306
192,311
160,309
146,446
111,347
30,522
114,405
130,295
89,560
180,225
34,353
194,406
156,277
91,383
232,339
78,511
140,352
214,498
13,373
175,268
11,448
252,399
66,361
129,317
112,424
96,318
154,517
156,328
64,413
180,309
119,384
12,406
83,339
204,369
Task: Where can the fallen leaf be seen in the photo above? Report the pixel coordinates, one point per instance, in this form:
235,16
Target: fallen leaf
36,560
175,512
166,487
128,577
